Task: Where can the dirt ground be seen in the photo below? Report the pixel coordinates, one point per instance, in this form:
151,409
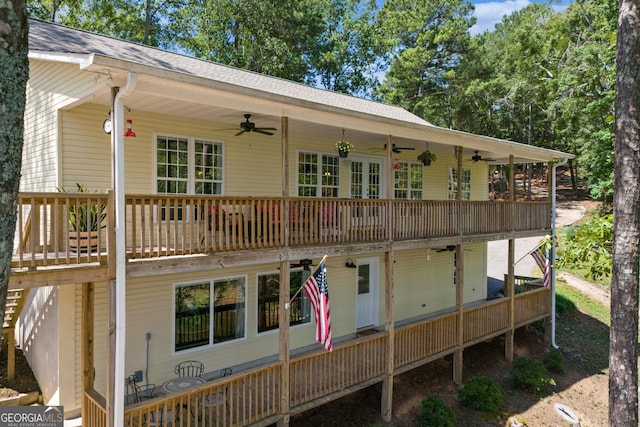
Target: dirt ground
24,381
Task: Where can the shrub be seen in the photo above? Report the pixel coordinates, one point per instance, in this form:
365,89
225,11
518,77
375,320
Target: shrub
436,413
553,361
481,393
529,374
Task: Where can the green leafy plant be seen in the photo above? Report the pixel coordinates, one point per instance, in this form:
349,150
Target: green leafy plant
553,361
84,217
344,145
589,246
530,374
481,393
426,157
435,412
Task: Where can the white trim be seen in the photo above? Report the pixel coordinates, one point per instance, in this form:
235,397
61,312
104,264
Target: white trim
82,59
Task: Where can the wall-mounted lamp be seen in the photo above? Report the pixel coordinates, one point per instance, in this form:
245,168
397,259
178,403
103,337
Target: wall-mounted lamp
350,264
129,132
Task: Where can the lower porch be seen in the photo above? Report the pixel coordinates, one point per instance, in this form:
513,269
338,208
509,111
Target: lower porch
275,390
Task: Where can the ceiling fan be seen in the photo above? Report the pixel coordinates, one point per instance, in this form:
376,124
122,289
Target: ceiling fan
249,126
448,248
477,157
304,263
396,149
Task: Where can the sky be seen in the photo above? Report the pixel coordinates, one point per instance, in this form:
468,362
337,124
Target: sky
490,12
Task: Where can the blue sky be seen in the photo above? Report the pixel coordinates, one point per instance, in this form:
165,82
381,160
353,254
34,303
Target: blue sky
490,12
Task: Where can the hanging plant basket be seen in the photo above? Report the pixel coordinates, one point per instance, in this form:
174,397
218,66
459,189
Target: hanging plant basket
426,157
343,153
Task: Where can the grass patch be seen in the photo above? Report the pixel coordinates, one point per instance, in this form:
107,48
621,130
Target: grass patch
583,334
583,303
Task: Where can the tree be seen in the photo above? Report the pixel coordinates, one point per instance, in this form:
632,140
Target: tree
426,40
14,72
623,347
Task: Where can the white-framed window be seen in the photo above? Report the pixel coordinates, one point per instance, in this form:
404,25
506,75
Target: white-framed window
408,180
269,300
209,312
318,175
185,165
453,183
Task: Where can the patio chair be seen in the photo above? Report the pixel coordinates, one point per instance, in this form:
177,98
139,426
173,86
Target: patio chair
147,391
189,368
212,400
140,391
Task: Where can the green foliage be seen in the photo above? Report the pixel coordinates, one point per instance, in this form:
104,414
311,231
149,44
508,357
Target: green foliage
481,393
529,374
553,361
435,413
84,216
589,246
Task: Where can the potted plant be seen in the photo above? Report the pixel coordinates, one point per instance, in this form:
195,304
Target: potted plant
344,147
85,222
426,157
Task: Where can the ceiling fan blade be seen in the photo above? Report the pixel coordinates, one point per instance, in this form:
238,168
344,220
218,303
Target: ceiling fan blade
265,131
240,132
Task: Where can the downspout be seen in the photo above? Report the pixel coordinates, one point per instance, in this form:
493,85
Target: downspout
552,260
118,179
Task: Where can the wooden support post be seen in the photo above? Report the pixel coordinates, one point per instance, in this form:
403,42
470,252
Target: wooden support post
111,353
11,353
88,368
510,292
283,344
387,384
459,283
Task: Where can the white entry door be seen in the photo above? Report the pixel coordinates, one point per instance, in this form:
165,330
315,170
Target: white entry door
367,293
366,178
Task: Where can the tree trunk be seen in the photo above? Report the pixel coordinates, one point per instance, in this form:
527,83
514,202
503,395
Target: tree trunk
623,351
14,72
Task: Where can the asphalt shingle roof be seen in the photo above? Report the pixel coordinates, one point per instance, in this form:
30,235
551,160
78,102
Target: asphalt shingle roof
54,38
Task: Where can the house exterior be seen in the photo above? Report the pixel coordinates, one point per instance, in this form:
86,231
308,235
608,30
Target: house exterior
210,221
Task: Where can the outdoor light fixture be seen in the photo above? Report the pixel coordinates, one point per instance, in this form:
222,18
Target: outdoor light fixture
350,264
129,132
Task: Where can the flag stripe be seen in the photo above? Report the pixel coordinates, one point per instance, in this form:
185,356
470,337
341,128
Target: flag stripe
544,265
317,291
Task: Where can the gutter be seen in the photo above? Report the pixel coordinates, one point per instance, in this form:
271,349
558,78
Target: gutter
552,260
120,287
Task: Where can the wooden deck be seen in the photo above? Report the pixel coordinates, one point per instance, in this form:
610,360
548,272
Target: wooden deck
255,396
168,226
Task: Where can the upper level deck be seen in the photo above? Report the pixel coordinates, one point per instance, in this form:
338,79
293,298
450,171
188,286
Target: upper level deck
236,229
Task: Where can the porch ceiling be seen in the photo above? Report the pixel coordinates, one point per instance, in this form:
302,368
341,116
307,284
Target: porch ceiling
225,111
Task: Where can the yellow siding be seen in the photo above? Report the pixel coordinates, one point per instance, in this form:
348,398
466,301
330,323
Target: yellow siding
51,87
422,286
87,152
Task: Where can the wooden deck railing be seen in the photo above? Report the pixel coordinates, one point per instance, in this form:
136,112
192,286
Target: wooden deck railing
161,226
486,320
421,341
320,374
46,229
253,396
94,409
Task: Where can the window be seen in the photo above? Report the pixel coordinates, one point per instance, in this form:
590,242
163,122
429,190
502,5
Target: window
318,175
453,183
209,312
188,166
268,300
408,181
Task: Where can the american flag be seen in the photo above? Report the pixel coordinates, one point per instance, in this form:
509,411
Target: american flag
318,294
543,262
